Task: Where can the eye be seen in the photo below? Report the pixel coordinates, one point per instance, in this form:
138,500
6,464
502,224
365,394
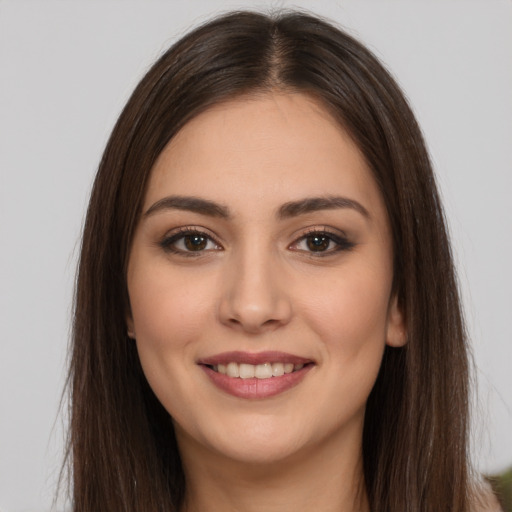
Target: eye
189,241
322,243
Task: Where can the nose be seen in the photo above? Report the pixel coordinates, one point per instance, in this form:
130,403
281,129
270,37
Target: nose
254,295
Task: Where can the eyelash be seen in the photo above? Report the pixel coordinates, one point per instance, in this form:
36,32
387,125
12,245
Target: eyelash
341,241
168,244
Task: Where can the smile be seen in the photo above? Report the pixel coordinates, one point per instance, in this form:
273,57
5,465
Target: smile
262,375
260,371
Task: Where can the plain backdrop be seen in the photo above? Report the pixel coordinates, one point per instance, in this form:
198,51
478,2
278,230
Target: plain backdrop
67,68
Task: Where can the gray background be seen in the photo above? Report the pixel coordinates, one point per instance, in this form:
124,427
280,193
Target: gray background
66,69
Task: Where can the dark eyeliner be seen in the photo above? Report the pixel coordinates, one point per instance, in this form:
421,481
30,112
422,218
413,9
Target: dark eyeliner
167,243
341,241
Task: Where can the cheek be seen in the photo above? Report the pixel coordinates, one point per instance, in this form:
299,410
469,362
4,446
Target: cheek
169,316
350,317
167,312
352,309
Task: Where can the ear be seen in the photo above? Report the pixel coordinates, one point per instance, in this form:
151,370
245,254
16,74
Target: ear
130,329
396,334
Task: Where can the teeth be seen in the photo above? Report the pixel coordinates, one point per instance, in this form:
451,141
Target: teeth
263,371
247,371
260,371
277,369
233,370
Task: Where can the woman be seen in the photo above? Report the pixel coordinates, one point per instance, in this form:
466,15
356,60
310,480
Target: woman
266,312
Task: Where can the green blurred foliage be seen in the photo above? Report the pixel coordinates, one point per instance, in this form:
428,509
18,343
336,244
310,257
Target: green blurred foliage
502,486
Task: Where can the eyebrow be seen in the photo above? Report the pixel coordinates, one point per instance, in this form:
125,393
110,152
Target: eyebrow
314,204
191,204
287,210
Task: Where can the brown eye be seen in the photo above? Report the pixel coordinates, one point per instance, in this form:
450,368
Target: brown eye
318,243
189,242
195,242
322,243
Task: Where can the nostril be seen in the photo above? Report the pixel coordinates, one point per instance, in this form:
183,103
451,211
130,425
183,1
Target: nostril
253,325
254,304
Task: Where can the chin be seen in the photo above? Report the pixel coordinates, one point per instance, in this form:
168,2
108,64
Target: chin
253,441
261,451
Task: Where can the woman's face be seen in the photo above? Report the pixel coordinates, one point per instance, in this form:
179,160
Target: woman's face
260,281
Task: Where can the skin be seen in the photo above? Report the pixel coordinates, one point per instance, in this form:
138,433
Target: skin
256,286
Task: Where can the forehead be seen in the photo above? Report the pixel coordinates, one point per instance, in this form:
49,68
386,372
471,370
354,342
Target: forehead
275,147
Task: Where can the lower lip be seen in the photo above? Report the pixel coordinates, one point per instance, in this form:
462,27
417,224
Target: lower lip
256,388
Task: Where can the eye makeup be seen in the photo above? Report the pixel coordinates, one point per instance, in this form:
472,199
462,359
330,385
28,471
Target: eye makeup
189,241
321,242
194,241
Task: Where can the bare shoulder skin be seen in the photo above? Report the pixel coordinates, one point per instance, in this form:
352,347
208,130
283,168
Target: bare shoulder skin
485,500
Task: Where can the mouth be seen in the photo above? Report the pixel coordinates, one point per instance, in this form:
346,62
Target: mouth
261,375
260,371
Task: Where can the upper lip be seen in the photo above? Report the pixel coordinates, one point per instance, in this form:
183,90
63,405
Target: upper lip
253,358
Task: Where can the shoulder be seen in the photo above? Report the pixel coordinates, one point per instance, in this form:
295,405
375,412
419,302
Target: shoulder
484,500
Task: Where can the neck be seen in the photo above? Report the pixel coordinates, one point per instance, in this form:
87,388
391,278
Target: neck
320,478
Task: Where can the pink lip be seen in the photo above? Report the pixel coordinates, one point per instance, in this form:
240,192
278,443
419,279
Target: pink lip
255,388
253,358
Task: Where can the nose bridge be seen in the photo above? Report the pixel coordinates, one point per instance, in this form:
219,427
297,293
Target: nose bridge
254,295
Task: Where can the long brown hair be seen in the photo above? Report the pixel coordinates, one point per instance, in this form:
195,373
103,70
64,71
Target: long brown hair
123,454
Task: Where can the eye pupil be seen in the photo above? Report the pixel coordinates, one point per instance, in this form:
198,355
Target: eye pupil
318,242
195,242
